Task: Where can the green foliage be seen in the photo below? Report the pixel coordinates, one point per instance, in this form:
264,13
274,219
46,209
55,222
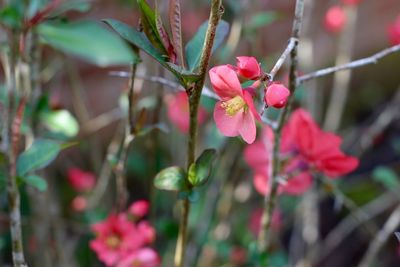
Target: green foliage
171,179
12,15
71,5
262,19
36,181
88,40
40,154
387,177
199,172
61,122
194,46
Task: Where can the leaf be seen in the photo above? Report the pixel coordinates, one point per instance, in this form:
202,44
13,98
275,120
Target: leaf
164,37
40,154
262,19
36,181
387,177
200,171
88,40
136,38
194,47
61,121
149,24
11,16
71,5
182,73
175,23
172,179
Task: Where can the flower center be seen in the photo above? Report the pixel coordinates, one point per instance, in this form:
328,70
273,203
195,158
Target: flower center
113,241
136,263
232,106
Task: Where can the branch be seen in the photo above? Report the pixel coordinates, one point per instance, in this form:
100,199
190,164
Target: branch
278,65
351,65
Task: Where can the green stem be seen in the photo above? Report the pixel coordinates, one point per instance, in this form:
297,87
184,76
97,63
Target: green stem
271,198
194,92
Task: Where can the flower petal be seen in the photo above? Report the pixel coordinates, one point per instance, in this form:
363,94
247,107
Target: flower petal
225,82
227,125
247,127
250,103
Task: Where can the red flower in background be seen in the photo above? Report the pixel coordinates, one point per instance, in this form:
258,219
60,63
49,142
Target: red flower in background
139,209
394,31
80,180
335,19
306,148
351,2
178,111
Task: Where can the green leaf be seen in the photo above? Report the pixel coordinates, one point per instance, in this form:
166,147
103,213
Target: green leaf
172,179
11,16
387,177
36,181
61,121
75,5
262,19
194,47
40,154
200,171
149,23
88,40
3,171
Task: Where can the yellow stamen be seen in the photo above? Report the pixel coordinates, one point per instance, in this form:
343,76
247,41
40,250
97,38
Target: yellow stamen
233,105
113,241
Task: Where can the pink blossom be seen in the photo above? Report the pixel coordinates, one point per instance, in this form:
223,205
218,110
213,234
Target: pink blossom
79,203
139,209
117,238
178,111
145,257
276,95
394,31
248,68
235,114
335,19
81,180
351,2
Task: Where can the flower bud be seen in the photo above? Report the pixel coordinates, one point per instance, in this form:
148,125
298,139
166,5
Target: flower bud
248,67
276,95
139,208
335,19
79,204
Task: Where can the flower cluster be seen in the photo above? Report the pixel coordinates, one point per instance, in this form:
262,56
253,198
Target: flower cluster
235,114
304,148
122,239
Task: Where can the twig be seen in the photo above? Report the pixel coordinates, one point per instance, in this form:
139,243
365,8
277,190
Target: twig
278,65
380,239
351,65
270,199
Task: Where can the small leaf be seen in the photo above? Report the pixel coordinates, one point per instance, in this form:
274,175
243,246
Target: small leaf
262,19
194,47
40,154
387,177
185,75
175,23
172,179
149,23
61,121
88,40
200,171
36,181
164,37
71,5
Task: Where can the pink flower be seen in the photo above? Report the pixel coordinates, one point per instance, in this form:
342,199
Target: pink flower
276,95
117,238
351,2
178,111
81,180
335,19
79,203
145,257
394,32
248,67
235,114
140,208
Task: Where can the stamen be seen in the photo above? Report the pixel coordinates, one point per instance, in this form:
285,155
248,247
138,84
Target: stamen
233,105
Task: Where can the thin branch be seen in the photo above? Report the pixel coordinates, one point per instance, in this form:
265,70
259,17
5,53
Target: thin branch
278,65
351,65
380,239
270,199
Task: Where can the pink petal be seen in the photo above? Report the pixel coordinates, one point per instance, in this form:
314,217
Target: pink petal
248,67
261,183
225,82
227,125
338,165
256,156
298,184
247,127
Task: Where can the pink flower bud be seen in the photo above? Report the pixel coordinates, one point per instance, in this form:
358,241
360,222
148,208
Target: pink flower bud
79,204
351,2
335,19
276,95
394,31
248,67
80,180
139,208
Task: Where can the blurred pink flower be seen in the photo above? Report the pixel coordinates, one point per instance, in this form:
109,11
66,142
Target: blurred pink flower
178,111
117,238
139,208
351,2
79,203
248,68
394,31
276,95
81,180
335,19
145,257
235,114
255,220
